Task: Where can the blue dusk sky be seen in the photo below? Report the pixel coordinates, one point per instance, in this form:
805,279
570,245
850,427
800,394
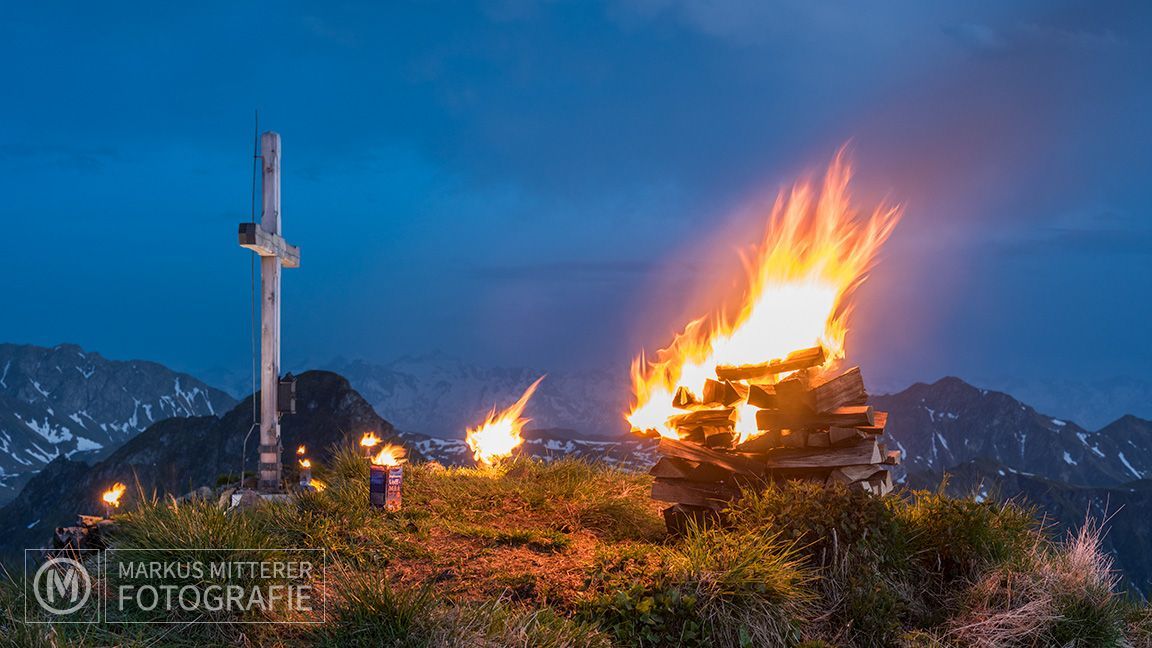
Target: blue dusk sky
554,184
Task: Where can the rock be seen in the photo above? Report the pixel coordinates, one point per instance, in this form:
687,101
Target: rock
245,499
225,499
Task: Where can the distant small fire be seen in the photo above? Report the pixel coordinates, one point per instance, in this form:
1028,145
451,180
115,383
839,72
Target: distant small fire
300,451
305,463
390,455
369,441
499,435
111,497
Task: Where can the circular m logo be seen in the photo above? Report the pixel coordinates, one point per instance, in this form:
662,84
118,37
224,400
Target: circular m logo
62,585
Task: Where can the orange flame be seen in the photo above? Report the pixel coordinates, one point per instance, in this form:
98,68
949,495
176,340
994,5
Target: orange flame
390,455
304,463
499,435
112,496
815,251
369,440
301,450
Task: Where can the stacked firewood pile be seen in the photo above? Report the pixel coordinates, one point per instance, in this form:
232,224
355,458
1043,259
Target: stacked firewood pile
812,426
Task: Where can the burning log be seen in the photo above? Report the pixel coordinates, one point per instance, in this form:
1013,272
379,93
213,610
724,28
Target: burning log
814,428
684,399
801,359
846,416
844,389
864,452
724,392
731,461
763,396
879,421
723,417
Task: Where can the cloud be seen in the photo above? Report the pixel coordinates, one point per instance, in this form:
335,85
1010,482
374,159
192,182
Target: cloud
977,37
83,159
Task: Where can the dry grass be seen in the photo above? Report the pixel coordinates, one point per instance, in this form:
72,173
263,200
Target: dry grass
573,554
1061,595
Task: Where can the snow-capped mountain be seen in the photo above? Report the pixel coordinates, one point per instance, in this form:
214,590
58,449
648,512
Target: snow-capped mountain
625,453
949,423
937,426
66,401
441,396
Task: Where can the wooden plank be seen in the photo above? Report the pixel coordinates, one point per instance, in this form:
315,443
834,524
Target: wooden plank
673,467
863,452
721,393
819,440
762,396
767,440
846,416
266,244
718,437
794,438
682,491
801,359
270,269
684,399
825,393
881,483
879,422
848,474
839,435
715,417
732,461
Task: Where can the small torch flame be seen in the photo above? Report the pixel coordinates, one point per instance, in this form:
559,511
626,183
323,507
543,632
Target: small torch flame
390,455
305,463
499,435
112,496
369,440
301,450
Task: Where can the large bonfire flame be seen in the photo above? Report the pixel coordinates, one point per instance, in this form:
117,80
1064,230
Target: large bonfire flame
816,250
499,435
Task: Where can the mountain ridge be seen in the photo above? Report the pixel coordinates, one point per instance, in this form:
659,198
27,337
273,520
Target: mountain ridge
64,400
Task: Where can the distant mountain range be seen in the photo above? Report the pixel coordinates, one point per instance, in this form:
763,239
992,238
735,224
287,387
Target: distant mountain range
179,455
66,401
55,402
949,422
441,396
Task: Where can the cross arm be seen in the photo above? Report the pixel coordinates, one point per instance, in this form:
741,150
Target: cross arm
267,244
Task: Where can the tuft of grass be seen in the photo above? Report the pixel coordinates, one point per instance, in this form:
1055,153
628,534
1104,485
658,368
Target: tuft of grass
1060,595
545,541
958,538
371,612
713,586
567,495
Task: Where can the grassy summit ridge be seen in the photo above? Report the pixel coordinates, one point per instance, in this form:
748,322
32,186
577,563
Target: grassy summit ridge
574,554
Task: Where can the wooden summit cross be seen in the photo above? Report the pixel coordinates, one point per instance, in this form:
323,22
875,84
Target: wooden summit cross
265,239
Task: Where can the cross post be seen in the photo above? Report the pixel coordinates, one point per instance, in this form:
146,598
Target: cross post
266,240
